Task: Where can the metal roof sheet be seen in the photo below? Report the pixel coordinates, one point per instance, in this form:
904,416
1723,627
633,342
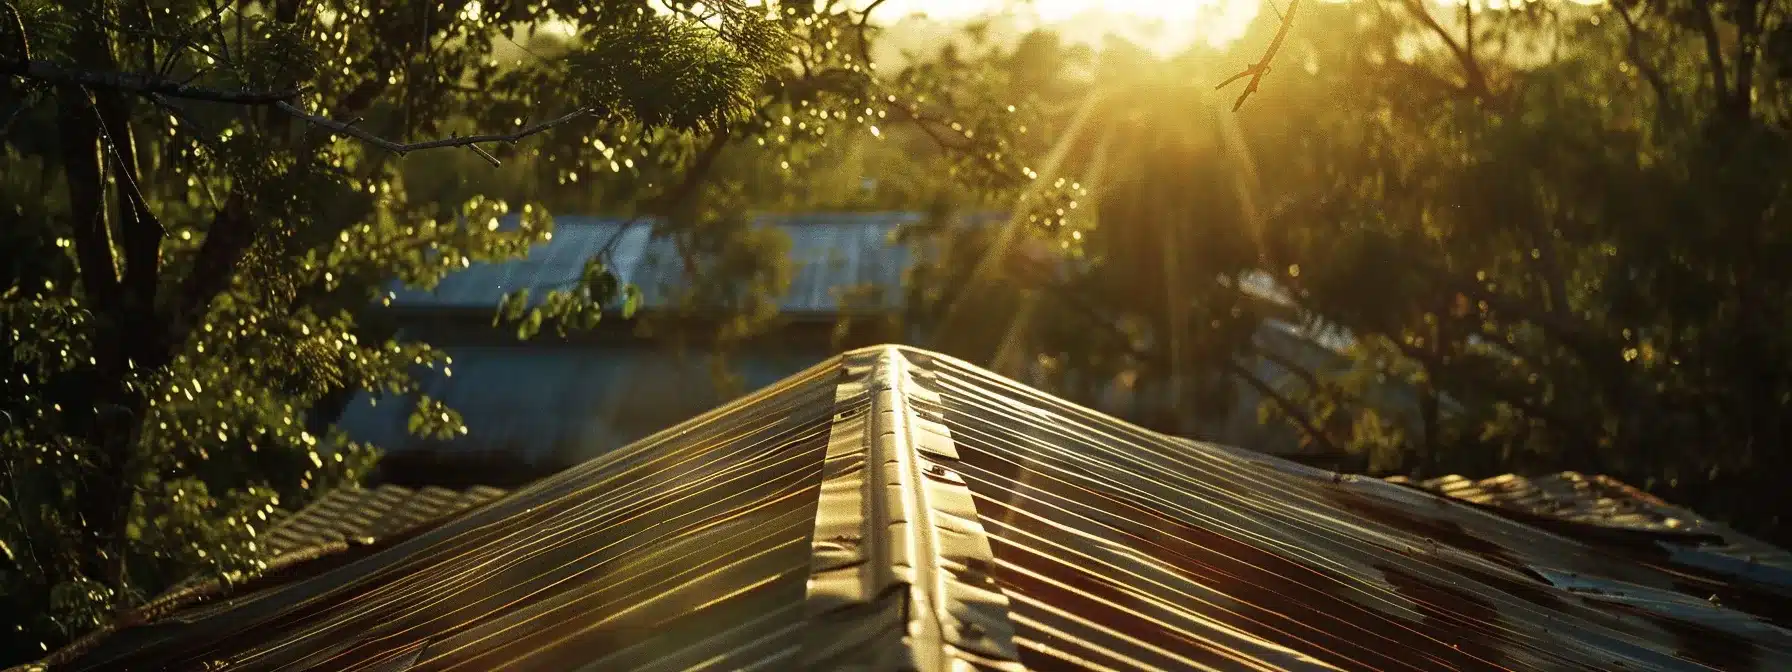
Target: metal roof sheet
898,509
1576,503
357,514
833,252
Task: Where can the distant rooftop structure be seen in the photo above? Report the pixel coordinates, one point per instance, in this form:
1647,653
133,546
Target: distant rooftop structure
354,514
893,508
833,251
537,406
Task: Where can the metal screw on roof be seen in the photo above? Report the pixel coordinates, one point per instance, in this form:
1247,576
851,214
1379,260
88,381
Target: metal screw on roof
970,630
976,570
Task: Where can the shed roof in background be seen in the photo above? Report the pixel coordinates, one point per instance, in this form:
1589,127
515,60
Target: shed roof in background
370,513
898,508
833,251
555,406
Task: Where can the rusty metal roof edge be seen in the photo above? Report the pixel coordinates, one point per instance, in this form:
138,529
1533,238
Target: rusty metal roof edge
897,536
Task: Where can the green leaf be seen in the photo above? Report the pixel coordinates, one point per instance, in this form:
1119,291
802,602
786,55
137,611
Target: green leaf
512,307
631,300
530,326
597,280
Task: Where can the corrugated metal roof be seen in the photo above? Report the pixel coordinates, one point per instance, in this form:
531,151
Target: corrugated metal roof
834,252
1124,549
357,514
690,549
897,509
1575,503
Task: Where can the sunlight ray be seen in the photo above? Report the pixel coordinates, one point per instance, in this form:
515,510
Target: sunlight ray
1248,181
1048,171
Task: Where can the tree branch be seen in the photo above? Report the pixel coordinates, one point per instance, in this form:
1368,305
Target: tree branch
1561,327
1747,17
1517,399
864,26
140,233
54,73
686,187
1287,364
1257,70
18,24
349,129
229,236
192,31
1634,49
1714,52
1471,68
1468,30
1295,415
79,137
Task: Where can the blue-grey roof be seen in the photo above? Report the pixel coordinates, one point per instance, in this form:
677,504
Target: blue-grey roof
833,252
552,406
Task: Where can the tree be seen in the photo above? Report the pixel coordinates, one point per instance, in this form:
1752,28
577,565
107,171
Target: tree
200,198
1540,236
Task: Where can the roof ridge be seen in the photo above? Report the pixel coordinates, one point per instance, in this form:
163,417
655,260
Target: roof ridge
897,535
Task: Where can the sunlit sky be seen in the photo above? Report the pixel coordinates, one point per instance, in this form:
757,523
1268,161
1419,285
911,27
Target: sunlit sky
1217,22
1183,22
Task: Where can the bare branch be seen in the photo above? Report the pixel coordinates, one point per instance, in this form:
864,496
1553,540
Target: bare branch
1748,19
208,143
1471,68
1257,70
1520,399
112,135
53,73
1468,31
863,30
1634,48
192,31
1714,51
84,173
348,128
687,187
18,24
486,155
1291,411
233,230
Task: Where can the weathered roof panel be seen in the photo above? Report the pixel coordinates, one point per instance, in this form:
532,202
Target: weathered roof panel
898,509
356,513
1581,505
